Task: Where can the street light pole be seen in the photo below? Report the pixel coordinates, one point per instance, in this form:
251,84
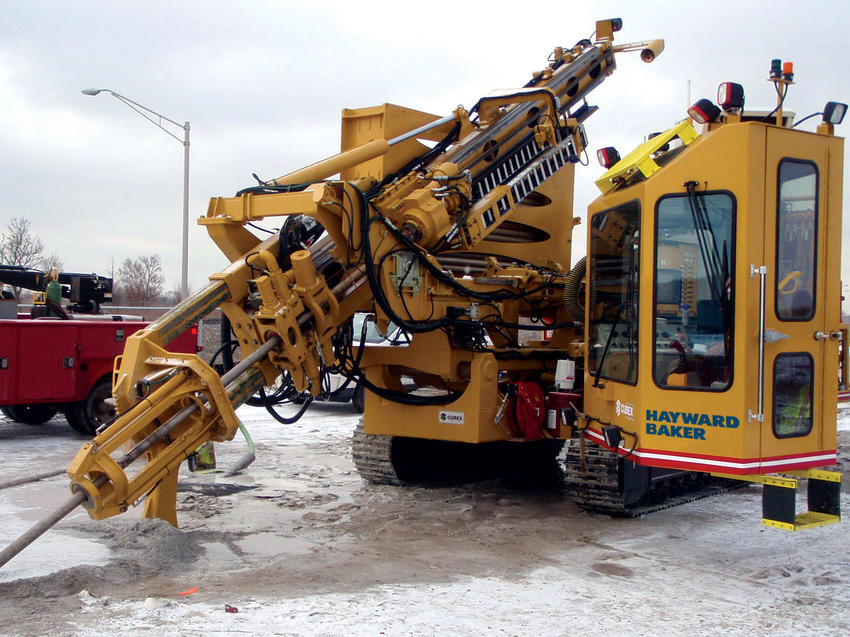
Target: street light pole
146,112
184,266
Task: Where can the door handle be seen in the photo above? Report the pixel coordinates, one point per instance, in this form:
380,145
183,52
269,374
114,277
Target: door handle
820,336
761,271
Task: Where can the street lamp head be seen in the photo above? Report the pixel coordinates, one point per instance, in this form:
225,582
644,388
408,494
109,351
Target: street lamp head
90,91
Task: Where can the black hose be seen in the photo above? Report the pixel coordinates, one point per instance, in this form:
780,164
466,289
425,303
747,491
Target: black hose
375,285
806,118
269,401
782,95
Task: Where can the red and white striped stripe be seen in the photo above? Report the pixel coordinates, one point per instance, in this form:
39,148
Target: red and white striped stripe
721,464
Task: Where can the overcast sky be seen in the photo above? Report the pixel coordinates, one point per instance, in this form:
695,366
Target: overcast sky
263,84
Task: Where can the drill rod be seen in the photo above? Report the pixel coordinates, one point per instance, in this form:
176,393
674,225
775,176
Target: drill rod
80,496
40,476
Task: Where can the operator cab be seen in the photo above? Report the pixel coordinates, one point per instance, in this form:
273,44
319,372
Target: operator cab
714,300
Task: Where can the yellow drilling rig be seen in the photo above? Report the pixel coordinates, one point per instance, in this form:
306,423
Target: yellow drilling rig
697,341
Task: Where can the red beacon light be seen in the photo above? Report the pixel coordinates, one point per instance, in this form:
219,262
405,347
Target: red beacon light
730,97
788,71
704,111
607,156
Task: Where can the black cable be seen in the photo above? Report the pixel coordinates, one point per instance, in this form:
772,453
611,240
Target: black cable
586,161
374,284
351,369
348,362
269,405
782,95
256,227
351,226
633,434
401,285
349,218
448,279
254,268
356,362
270,189
409,399
354,373
807,117
230,347
443,323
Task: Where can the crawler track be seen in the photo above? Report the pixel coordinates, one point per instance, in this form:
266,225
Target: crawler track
380,460
373,457
399,460
599,488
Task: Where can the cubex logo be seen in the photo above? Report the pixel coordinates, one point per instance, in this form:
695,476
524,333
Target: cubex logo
625,409
451,417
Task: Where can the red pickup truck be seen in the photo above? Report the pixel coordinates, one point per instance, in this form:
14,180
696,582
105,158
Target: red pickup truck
48,366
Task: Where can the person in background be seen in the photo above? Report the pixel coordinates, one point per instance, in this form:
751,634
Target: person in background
54,294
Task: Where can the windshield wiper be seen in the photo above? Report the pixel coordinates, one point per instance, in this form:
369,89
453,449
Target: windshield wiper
607,346
716,268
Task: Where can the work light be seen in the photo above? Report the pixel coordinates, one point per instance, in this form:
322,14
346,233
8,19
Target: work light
833,112
730,96
607,156
704,111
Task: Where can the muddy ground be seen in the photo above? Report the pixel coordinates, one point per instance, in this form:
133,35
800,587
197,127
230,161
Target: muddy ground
298,544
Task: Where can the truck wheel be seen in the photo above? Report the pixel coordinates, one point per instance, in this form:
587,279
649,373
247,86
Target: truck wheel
89,414
73,417
35,414
358,400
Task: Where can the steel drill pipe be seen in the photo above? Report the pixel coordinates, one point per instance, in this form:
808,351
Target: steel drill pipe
78,498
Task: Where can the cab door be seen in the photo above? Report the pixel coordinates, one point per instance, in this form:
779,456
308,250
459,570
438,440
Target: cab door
799,375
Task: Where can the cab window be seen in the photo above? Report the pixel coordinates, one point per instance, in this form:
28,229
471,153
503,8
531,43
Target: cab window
793,388
796,215
614,293
694,279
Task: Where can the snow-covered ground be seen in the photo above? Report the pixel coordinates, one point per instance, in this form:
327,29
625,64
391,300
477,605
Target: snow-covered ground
307,549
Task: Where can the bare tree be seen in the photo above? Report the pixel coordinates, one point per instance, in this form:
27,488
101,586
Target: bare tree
52,261
18,246
140,280
175,295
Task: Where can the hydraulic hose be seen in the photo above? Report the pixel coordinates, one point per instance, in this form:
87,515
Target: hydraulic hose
572,287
